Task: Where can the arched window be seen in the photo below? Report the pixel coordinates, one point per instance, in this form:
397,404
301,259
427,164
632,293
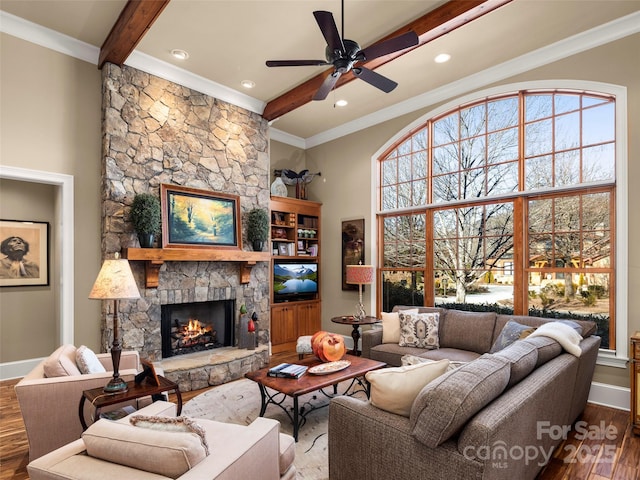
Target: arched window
505,203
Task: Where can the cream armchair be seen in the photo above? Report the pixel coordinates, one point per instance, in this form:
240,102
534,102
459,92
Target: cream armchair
119,450
49,406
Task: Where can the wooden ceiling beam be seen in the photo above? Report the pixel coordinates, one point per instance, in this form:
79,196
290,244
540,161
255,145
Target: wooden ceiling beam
134,21
430,26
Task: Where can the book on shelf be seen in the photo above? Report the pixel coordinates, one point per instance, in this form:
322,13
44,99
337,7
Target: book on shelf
287,370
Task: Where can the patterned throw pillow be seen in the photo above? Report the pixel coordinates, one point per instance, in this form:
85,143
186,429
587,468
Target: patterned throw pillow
171,424
419,330
511,332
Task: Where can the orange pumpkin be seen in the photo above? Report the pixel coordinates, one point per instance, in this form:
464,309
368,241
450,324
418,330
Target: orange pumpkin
327,346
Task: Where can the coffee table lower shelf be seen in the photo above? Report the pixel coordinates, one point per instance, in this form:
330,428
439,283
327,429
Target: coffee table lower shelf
275,390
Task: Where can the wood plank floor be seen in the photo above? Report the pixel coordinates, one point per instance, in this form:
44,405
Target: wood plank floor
594,455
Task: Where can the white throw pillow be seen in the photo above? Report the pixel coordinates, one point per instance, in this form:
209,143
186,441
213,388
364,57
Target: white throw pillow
87,361
394,389
391,325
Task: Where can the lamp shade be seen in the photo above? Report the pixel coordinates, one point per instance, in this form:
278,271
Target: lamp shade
360,274
115,281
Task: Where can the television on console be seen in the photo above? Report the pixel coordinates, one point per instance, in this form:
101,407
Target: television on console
294,281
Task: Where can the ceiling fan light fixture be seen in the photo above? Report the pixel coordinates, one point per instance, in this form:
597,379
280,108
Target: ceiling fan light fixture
442,58
341,103
248,84
180,54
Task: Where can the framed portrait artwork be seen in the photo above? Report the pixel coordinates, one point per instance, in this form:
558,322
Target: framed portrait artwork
25,253
352,248
195,218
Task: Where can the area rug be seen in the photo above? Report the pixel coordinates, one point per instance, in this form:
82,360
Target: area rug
239,402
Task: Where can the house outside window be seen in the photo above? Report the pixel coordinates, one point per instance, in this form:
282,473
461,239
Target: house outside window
505,203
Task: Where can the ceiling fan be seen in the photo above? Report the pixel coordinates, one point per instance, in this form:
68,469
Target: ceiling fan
345,55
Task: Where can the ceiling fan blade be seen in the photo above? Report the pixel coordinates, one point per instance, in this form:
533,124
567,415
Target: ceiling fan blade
372,78
329,30
296,63
327,86
394,44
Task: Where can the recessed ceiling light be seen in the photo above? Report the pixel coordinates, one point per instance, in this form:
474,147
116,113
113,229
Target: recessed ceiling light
443,57
248,83
341,103
179,54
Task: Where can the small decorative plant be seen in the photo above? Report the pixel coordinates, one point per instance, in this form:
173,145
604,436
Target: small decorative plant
257,228
146,217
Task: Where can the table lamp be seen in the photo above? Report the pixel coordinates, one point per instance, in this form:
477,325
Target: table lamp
115,281
361,275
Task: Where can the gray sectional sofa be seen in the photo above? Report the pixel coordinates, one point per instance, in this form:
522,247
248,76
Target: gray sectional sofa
495,417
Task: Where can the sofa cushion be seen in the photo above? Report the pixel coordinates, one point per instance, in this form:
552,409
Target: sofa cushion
414,360
87,361
471,331
170,424
547,348
394,389
419,330
166,453
445,405
391,326
62,362
287,452
511,332
522,358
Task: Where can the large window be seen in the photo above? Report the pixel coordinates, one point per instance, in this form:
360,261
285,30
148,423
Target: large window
508,204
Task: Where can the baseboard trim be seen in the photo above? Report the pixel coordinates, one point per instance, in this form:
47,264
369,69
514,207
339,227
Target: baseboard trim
610,396
18,369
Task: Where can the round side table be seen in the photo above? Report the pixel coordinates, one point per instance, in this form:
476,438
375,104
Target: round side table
355,323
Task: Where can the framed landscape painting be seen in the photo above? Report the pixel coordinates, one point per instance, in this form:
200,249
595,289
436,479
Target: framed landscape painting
352,248
195,218
25,253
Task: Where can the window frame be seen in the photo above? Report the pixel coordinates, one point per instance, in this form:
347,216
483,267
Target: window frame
615,358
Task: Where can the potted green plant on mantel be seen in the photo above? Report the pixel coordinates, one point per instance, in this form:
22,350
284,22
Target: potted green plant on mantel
146,218
257,228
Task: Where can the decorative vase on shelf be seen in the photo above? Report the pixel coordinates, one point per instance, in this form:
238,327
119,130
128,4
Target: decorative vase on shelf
278,188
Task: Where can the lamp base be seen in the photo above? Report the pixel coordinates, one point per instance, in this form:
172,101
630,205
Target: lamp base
116,385
360,313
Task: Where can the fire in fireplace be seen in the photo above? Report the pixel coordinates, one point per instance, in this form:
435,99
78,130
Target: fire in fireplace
193,327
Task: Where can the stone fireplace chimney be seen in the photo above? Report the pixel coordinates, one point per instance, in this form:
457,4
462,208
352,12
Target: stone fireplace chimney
154,132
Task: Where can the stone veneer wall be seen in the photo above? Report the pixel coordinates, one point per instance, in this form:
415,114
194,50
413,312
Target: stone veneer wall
154,132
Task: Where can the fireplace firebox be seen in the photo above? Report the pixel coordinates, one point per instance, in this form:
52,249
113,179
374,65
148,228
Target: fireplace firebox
194,327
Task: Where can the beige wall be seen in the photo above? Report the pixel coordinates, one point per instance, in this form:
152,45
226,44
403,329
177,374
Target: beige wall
29,313
347,171
50,114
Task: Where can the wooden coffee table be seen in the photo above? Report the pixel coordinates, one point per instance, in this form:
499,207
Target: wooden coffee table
294,388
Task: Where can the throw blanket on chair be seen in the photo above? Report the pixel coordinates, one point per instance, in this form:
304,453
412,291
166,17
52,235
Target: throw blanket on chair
561,333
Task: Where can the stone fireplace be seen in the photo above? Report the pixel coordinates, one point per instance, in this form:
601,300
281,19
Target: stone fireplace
154,132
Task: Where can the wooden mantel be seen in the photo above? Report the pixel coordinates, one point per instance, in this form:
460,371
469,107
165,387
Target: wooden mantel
155,257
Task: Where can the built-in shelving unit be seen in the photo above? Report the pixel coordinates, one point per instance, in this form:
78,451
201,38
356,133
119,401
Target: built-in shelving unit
154,258
295,238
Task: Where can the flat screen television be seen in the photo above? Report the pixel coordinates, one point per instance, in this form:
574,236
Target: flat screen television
294,281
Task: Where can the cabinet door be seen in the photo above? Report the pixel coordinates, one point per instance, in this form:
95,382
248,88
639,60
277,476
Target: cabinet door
283,324
308,318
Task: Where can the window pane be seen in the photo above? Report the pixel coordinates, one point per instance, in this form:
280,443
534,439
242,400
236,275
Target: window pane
503,113
537,138
598,124
402,288
502,179
567,131
420,140
472,153
445,159
419,192
389,172
598,163
538,173
404,169
445,188
566,103
445,130
389,197
503,146
537,106
419,165
405,148
567,168
472,121
473,183
404,195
